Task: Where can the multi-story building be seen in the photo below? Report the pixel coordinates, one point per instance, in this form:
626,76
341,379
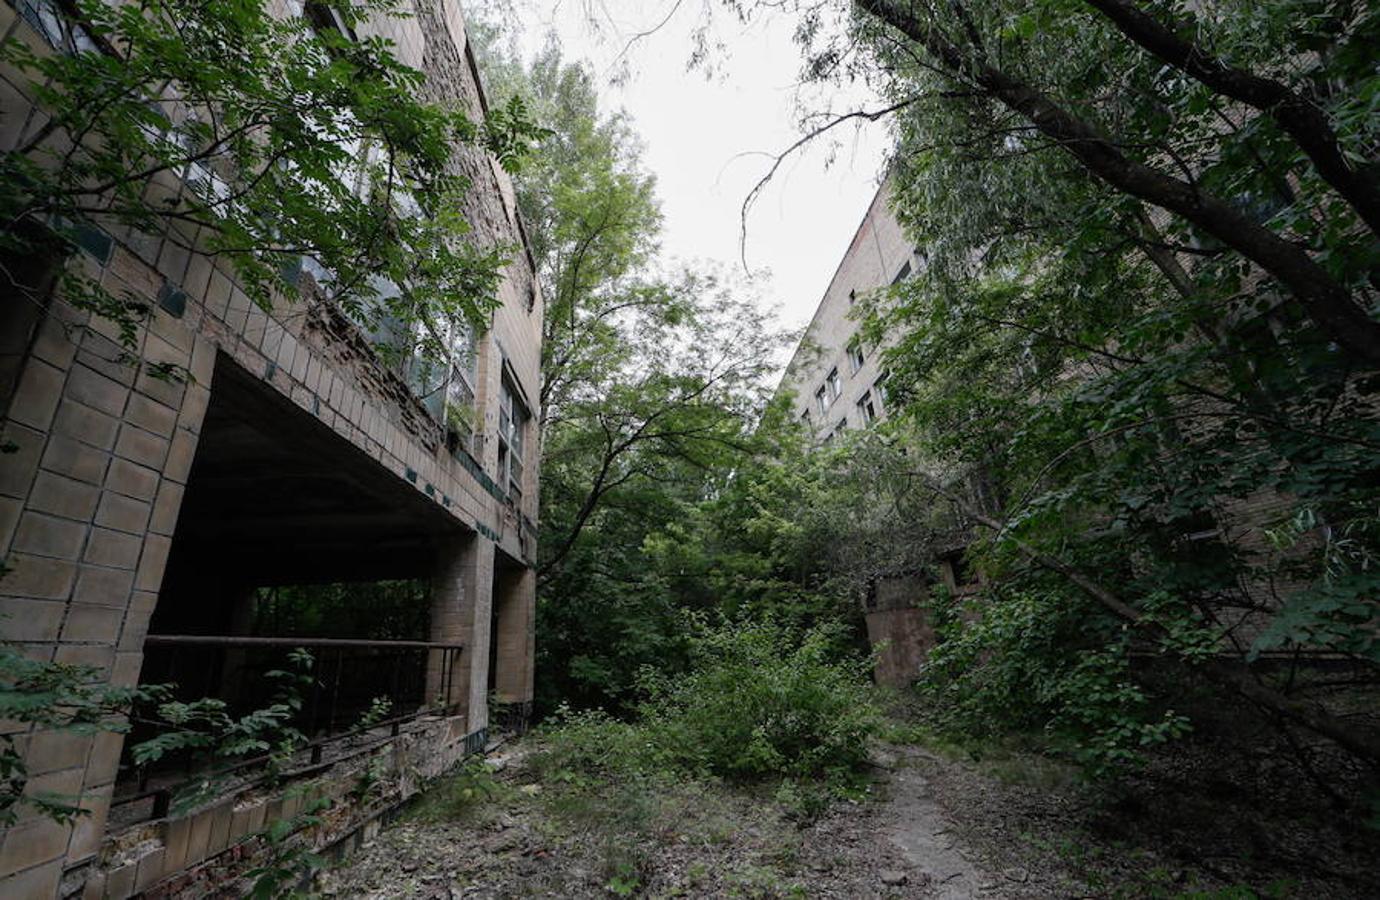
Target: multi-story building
837,382
143,517
836,377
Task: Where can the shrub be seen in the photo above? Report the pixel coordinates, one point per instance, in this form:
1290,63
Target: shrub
757,704
1039,660
579,746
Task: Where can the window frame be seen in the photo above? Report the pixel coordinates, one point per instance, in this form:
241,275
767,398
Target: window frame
833,385
514,419
856,358
867,408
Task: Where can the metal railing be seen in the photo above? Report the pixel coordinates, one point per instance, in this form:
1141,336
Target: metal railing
346,677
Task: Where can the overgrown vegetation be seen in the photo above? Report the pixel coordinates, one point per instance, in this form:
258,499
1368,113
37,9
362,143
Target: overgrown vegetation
213,741
226,129
654,377
1123,393
756,703
1135,378
50,696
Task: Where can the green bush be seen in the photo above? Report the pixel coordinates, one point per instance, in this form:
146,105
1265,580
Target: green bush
583,745
757,704
1040,660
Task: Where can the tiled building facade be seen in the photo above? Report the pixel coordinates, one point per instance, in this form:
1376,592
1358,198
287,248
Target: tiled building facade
134,504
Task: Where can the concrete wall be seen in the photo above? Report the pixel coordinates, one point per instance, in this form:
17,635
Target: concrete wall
878,253
898,629
91,497
207,851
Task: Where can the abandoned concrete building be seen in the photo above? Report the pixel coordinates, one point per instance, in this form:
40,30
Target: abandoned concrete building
144,519
836,381
835,377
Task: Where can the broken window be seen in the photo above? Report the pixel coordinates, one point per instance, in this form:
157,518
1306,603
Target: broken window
879,388
822,400
833,385
866,409
513,418
855,355
323,17
57,28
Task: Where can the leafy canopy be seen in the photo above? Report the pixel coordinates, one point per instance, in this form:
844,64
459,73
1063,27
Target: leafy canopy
226,130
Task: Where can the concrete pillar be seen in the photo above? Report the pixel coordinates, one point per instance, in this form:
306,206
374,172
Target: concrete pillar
461,604
515,600
88,504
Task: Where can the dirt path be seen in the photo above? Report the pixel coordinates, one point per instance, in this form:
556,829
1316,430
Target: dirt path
1207,820
918,827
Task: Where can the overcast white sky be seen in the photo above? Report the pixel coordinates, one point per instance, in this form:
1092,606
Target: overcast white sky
705,136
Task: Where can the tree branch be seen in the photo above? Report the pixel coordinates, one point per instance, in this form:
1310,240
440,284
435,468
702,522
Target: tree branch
1326,301
1298,117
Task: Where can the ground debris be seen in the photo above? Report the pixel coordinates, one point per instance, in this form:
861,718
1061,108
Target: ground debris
935,827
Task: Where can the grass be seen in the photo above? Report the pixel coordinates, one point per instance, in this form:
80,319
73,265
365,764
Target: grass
470,794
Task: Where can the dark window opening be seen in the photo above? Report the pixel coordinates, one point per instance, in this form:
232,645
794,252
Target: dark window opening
325,17
27,280
958,574
867,409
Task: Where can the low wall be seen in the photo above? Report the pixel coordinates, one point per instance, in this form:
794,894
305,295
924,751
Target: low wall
906,638
206,851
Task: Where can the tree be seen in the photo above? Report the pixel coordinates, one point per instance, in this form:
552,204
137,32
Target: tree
592,217
665,427
956,44
652,382
1184,431
231,132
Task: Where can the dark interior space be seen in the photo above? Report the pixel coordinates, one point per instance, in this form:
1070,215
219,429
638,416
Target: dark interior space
290,537
277,497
